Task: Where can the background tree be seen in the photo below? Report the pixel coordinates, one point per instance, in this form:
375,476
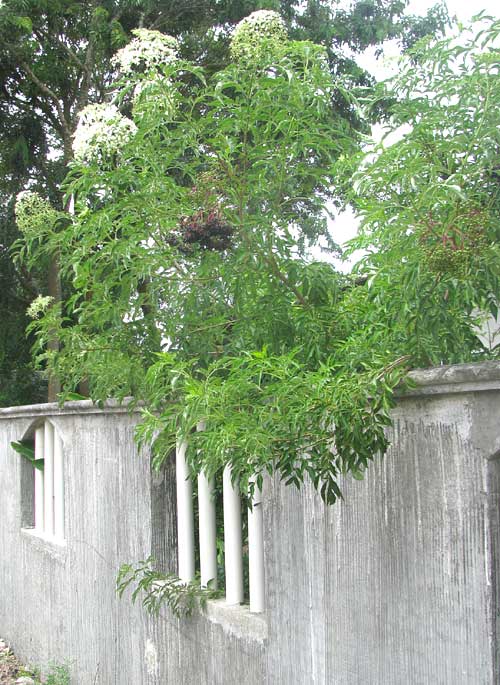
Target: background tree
18,383
55,58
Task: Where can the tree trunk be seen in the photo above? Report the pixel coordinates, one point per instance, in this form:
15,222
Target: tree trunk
54,288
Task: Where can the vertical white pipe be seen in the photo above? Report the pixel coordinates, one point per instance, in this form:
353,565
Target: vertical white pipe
58,488
256,552
48,477
207,527
39,498
233,556
185,516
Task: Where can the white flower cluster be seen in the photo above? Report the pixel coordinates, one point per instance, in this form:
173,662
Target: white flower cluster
101,131
261,27
149,49
34,214
39,305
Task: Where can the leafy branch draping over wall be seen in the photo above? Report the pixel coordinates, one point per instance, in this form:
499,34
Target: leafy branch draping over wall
196,200
56,57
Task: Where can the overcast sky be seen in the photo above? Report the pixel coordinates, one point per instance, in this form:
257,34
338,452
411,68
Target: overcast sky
344,227
463,9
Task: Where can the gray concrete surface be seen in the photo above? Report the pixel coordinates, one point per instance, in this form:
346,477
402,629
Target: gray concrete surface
395,585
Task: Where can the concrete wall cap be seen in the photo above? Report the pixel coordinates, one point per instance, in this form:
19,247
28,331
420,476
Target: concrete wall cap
76,407
455,378
438,380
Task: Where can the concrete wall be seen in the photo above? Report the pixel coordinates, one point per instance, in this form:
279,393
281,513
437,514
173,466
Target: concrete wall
396,585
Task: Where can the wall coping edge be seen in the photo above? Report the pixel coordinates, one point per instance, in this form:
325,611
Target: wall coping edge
74,407
455,378
438,380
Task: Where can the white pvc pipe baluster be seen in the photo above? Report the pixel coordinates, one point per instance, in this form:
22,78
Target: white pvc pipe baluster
39,498
208,536
185,516
58,488
256,552
48,478
207,527
232,540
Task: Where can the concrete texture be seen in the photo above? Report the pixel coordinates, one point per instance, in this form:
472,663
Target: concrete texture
396,585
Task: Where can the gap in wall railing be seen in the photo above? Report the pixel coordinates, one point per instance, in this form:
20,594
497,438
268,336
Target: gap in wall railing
49,483
202,505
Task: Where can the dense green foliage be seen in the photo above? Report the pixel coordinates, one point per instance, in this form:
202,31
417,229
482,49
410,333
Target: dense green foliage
430,203
188,238
188,256
55,58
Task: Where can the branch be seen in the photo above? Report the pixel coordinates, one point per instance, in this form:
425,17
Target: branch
73,56
46,110
66,48
50,93
200,329
275,269
29,105
393,365
86,79
271,261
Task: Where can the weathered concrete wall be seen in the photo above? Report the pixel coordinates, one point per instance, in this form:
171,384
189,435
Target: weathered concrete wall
59,603
396,585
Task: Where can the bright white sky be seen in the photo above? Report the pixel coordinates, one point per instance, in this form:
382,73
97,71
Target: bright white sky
463,9
345,226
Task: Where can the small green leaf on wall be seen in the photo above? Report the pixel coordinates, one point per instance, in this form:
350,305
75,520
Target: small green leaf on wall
28,453
74,397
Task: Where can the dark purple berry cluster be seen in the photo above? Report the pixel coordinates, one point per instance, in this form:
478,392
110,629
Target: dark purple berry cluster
205,229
